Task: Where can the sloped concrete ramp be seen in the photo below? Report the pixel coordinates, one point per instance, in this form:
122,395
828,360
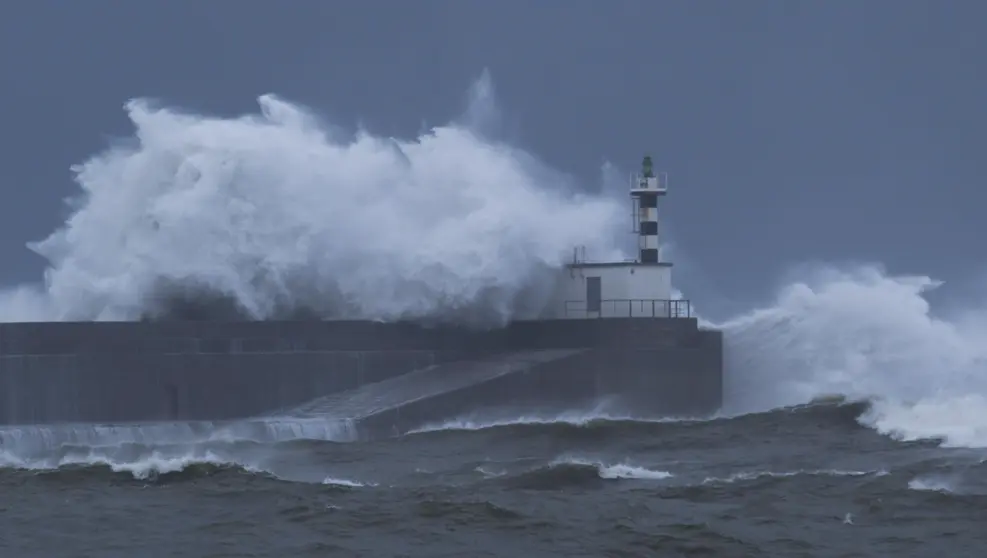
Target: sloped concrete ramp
379,405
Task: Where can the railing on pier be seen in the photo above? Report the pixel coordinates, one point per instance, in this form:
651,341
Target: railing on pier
630,308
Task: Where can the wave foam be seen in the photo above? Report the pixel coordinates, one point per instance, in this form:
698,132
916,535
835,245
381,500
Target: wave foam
612,471
604,412
576,471
153,464
151,450
30,439
932,483
630,472
346,483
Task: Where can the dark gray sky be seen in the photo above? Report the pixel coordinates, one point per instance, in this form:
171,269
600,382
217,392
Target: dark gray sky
837,130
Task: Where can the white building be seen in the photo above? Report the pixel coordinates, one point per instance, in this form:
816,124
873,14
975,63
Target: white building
636,288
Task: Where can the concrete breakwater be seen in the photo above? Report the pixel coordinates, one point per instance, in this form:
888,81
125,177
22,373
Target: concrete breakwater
119,372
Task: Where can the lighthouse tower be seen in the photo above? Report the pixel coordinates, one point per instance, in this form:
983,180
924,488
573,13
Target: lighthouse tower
646,188
637,288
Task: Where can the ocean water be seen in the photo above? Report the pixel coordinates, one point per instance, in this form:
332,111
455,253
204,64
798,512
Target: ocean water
801,481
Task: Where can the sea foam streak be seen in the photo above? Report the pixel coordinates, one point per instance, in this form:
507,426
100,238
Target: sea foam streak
758,475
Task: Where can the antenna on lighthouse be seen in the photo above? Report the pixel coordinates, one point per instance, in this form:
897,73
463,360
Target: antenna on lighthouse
646,187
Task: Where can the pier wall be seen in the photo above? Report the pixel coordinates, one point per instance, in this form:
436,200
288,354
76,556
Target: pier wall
680,381
135,372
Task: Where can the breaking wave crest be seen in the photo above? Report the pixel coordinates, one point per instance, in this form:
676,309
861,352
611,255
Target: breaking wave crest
571,472
152,450
833,412
867,336
603,415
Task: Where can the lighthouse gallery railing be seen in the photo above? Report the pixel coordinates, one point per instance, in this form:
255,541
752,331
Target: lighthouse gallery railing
630,308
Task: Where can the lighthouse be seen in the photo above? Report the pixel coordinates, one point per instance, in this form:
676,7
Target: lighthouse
640,287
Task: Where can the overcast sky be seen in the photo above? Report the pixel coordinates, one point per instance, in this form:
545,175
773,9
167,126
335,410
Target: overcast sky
792,130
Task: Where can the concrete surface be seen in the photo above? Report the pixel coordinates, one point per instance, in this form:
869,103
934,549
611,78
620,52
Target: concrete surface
146,371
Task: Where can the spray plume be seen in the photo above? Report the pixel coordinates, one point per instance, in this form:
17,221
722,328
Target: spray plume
270,216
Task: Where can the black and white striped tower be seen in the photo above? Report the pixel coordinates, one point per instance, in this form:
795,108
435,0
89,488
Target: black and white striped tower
646,188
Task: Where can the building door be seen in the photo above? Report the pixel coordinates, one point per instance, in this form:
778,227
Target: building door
594,294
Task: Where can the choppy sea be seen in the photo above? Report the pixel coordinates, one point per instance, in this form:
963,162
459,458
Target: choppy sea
800,481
